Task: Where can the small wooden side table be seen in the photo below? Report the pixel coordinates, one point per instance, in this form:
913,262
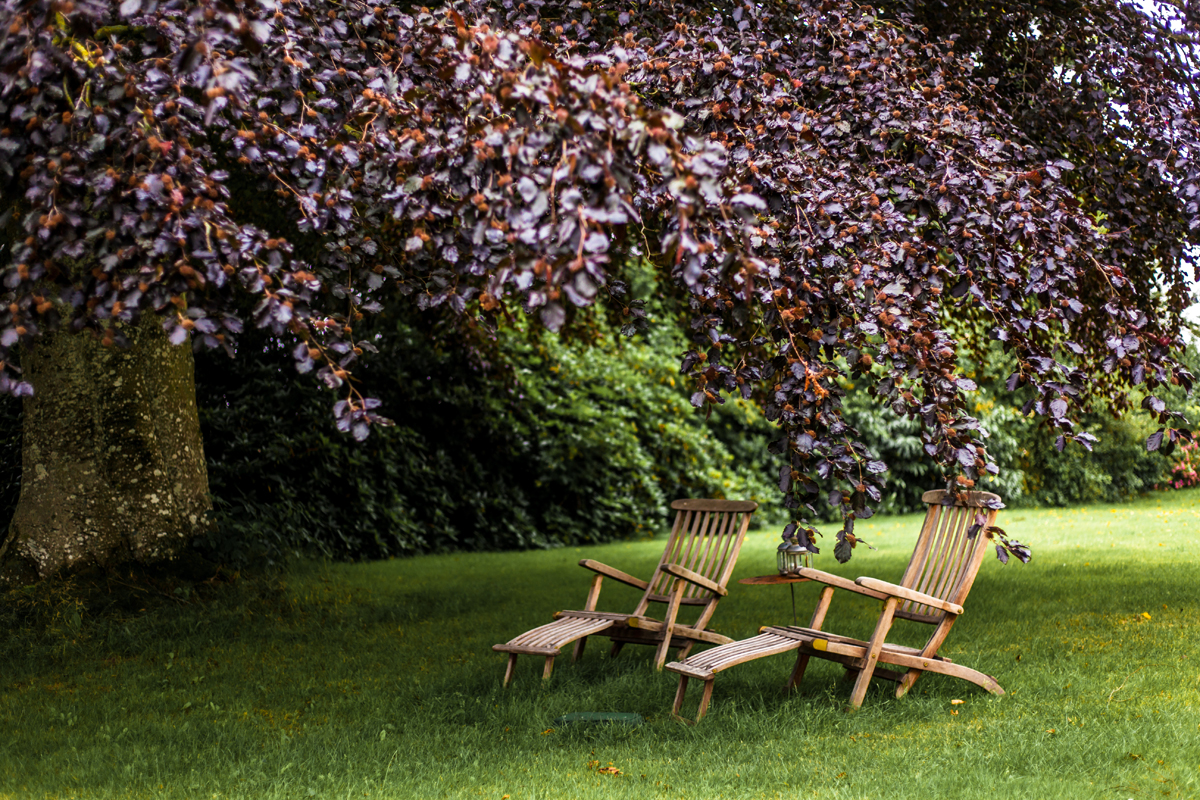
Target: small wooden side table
771,580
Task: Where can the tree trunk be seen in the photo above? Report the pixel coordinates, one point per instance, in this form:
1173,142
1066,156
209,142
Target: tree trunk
113,465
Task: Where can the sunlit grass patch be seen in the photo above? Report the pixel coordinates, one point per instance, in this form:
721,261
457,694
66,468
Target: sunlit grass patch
377,680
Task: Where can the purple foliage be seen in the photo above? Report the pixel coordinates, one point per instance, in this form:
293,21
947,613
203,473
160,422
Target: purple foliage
843,192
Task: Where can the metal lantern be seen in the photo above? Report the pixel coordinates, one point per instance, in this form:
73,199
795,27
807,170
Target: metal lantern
781,561
796,556
791,556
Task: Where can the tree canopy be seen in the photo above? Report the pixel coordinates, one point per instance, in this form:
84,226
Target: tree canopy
886,193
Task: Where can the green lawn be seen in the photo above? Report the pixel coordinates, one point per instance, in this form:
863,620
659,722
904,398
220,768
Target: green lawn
378,680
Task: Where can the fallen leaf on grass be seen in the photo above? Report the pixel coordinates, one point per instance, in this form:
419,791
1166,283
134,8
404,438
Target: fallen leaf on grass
957,702
1146,614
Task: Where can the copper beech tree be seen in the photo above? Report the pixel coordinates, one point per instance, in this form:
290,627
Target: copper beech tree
884,193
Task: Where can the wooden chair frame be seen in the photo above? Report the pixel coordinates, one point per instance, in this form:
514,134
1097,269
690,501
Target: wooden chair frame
939,576
695,567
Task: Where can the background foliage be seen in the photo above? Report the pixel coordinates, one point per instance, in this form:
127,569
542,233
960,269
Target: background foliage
509,440
528,440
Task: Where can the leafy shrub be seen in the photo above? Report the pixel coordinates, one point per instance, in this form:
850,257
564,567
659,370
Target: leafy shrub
1032,471
1185,467
1118,469
524,440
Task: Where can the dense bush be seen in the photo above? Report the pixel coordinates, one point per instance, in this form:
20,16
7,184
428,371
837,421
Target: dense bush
1118,469
522,439
1033,472
1185,468
515,440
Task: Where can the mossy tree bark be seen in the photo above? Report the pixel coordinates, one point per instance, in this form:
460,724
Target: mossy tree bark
113,467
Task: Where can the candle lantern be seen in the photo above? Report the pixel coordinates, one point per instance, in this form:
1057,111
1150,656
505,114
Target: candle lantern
790,556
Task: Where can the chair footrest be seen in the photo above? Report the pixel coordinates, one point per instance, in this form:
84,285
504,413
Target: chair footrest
550,638
684,669
707,664
525,651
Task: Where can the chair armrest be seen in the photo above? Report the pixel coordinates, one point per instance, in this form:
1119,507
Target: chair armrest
892,590
615,574
694,577
839,582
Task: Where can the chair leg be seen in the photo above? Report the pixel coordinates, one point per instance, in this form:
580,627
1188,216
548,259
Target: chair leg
680,692
682,653
818,619
578,651
615,650
705,698
546,670
907,682
660,657
798,671
508,672
873,649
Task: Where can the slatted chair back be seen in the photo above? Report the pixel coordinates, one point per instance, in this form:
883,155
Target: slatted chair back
705,538
946,559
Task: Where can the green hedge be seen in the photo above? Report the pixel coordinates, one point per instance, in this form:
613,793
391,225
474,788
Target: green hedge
525,440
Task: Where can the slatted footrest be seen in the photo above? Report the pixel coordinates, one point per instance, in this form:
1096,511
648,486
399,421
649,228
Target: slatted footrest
550,638
707,664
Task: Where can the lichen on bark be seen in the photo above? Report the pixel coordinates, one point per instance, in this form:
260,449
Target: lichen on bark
113,461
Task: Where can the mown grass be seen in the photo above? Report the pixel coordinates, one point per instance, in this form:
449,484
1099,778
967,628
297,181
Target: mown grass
377,680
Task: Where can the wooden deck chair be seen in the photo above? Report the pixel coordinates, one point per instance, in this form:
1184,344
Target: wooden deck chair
932,591
694,568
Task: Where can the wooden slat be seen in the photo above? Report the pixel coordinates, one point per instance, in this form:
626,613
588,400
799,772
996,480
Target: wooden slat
694,578
739,524
717,524
717,568
612,572
928,619
934,549
953,554
683,668
908,594
838,582
972,499
962,555
771,580
687,631
687,601
978,552
698,543
586,614
700,504
705,665
524,650
936,553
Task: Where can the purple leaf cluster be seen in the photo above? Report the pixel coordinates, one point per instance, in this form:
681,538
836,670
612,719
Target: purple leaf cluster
844,192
